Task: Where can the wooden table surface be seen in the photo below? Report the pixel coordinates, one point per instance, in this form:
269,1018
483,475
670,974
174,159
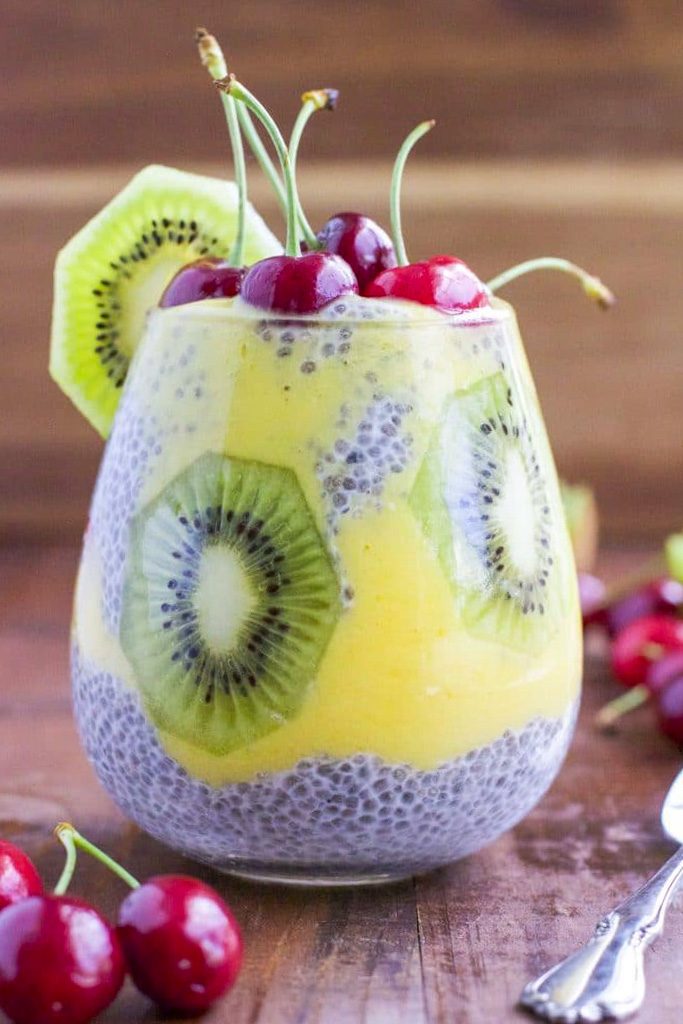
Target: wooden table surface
455,946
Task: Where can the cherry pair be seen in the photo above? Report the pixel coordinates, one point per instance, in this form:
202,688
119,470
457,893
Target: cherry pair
61,962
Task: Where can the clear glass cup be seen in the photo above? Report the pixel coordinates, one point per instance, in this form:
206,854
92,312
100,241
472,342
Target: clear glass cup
326,625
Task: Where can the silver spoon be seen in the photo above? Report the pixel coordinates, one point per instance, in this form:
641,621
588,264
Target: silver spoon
605,979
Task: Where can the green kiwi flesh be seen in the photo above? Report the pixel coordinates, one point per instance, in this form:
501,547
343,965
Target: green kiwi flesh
114,270
482,501
229,602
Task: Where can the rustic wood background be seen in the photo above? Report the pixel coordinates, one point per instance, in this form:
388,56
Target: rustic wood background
560,132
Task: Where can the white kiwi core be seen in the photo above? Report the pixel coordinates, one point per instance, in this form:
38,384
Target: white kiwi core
223,598
516,514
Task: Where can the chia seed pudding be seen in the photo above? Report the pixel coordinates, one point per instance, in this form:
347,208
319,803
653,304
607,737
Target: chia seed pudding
285,696
326,819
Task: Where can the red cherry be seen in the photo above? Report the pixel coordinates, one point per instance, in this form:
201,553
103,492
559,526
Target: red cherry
659,597
60,961
19,877
298,284
642,642
670,709
442,281
365,246
208,278
182,944
592,591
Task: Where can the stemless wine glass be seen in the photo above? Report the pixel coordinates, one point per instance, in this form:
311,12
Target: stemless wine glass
326,626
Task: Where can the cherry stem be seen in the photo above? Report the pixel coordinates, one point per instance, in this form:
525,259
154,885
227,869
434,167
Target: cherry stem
315,99
64,880
213,60
244,117
592,286
242,94
71,840
396,180
634,698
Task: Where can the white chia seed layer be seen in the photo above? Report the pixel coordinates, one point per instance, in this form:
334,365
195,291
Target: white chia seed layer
325,816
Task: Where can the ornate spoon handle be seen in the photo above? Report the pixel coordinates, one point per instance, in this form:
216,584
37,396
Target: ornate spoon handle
605,980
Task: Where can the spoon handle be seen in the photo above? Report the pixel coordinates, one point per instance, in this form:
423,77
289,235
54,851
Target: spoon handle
605,979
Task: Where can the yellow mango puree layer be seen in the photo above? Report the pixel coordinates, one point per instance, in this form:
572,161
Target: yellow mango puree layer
402,677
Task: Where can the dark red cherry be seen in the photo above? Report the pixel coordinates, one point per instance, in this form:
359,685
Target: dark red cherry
365,246
182,944
19,877
208,278
659,597
670,710
669,703
442,281
641,643
298,284
60,961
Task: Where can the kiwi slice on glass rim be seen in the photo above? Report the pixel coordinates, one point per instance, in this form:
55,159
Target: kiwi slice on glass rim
229,602
114,270
481,497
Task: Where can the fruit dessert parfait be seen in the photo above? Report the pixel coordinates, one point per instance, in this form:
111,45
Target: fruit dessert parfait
326,626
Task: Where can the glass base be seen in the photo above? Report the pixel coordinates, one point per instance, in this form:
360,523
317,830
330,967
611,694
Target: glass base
312,878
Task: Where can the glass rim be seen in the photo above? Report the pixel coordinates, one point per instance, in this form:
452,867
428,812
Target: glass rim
222,309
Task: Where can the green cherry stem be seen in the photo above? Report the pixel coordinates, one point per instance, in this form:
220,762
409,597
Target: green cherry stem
72,840
217,67
67,840
243,95
262,156
315,99
593,286
396,179
610,713
213,60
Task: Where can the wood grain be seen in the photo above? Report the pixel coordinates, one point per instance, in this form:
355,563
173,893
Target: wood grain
453,947
88,82
611,384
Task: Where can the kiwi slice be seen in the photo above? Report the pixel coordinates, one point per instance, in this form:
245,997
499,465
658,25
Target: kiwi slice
482,500
114,270
229,602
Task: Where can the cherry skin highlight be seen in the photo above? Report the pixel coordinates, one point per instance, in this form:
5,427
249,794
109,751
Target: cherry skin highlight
19,877
444,282
182,944
643,642
664,671
365,246
203,279
298,284
592,591
60,961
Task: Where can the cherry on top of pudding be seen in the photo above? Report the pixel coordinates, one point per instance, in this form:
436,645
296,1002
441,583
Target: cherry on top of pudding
366,247
207,278
298,284
444,282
